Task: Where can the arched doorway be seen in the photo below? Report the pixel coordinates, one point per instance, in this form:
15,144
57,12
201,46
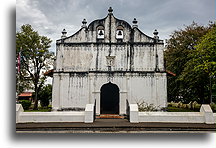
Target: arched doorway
109,99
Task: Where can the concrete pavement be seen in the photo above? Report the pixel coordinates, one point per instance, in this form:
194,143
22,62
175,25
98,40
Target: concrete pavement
114,126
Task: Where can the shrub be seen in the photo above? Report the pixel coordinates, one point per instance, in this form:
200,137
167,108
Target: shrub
194,104
169,105
189,105
175,105
45,95
44,102
197,107
184,106
180,104
142,107
213,106
25,104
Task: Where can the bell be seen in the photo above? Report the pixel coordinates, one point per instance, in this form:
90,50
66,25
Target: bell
100,32
119,33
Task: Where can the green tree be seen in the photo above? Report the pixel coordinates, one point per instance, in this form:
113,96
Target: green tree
35,57
22,82
199,73
179,48
206,51
45,95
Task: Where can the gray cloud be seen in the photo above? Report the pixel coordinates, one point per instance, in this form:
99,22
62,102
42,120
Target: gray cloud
49,17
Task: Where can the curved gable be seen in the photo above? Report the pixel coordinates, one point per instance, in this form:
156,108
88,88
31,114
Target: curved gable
139,36
93,25
108,27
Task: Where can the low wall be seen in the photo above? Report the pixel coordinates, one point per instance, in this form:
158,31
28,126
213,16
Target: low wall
204,116
19,110
214,115
175,117
52,117
69,116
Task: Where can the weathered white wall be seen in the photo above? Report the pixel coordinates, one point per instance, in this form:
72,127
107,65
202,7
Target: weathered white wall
70,91
59,57
160,51
92,57
76,91
77,58
69,116
81,66
89,34
82,51
150,88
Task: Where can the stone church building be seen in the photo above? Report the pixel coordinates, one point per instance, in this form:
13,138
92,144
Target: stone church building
109,61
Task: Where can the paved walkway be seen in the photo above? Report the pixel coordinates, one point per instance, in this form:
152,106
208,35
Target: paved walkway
113,126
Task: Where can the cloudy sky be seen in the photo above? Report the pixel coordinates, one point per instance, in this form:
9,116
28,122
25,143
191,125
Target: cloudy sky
49,17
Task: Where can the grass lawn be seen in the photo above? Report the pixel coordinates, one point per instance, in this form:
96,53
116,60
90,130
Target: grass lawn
175,109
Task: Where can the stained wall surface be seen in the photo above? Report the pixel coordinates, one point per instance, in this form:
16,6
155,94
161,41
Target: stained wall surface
86,61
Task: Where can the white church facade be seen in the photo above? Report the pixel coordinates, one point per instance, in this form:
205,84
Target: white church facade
109,61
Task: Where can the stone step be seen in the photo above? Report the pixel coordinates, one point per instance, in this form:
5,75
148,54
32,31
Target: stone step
110,116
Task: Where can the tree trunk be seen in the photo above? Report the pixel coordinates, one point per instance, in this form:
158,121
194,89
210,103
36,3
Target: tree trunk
201,94
36,98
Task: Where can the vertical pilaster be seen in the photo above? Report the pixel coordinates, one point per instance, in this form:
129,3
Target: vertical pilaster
128,87
91,98
56,92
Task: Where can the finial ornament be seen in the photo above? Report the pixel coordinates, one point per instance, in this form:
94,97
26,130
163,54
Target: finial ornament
135,23
156,34
110,10
64,32
84,22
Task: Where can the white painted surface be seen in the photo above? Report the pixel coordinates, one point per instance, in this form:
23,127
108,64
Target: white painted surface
204,116
75,91
81,66
78,58
87,116
89,113
172,117
19,109
208,114
134,116
52,117
214,116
